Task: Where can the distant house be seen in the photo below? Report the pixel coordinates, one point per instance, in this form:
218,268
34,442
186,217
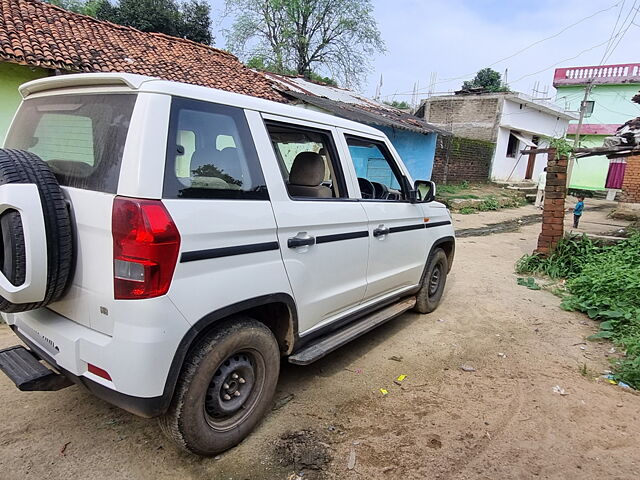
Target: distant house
510,121
38,39
607,107
413,138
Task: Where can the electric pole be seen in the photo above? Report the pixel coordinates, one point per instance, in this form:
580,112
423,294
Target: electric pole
576,137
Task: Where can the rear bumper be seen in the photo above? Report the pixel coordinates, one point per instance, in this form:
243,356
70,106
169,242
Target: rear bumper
138,357
143,407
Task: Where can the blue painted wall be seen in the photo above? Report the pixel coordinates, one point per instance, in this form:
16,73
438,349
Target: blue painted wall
416,150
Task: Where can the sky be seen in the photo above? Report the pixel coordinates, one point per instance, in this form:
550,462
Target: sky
453,39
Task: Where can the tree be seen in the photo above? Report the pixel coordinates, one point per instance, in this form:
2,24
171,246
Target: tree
306,36
190,19
488,79
402,105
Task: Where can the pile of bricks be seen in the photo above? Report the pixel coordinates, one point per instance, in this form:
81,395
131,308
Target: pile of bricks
554,200
631,184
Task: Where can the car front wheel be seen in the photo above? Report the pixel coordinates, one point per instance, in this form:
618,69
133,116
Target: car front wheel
226,387
433,282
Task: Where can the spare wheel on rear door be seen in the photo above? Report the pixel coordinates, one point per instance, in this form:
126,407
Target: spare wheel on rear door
37,249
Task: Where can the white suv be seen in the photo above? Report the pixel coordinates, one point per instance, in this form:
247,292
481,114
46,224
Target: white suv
165,245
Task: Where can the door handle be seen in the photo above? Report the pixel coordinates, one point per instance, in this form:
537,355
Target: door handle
380,231
301,240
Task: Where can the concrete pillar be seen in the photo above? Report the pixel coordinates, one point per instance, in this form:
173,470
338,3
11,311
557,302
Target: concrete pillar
554,198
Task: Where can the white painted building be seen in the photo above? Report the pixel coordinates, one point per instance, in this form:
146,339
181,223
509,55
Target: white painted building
511,121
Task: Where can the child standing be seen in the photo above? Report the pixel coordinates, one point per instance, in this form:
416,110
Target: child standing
577,211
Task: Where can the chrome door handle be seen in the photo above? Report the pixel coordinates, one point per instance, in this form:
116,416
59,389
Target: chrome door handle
380,231
301,240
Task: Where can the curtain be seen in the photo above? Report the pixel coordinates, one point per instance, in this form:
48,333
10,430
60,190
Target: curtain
616,174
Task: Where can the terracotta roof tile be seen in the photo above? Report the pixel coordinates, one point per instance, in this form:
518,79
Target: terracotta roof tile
40,34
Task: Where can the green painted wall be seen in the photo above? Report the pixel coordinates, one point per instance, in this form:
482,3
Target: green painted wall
612,102
11,76
612,105
590,173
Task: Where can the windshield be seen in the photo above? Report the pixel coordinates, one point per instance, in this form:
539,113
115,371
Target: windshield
81,137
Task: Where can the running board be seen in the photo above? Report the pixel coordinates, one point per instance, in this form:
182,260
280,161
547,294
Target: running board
334,340
29,375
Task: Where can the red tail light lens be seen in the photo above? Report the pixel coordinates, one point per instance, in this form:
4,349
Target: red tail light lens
145,248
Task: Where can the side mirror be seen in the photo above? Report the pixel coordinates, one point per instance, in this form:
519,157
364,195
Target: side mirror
426,191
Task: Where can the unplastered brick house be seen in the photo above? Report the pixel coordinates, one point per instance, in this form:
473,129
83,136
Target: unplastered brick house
38,40
509,121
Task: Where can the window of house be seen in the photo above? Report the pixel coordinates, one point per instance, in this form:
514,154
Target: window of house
308,161
512,146
588,107
210,153
379,178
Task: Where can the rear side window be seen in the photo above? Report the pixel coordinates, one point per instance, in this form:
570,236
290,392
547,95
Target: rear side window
81,137
210,153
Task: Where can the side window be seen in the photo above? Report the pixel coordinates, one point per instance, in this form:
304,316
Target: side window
308,161
378,175
210,154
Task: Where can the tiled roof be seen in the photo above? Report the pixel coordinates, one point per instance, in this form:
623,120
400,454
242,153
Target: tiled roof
39,34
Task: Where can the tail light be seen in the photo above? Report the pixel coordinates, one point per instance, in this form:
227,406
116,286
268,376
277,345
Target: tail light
145,248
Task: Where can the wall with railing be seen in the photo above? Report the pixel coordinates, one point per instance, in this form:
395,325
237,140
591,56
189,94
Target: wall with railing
622,73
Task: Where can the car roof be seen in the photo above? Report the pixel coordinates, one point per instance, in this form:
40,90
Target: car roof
141,83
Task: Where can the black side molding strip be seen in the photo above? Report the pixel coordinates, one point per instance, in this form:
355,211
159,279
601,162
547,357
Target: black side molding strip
437,224
228,251
406,228
341,236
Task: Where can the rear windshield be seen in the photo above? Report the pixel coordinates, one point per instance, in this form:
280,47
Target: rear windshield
81,137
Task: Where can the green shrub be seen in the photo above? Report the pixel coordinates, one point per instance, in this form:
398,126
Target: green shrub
604,283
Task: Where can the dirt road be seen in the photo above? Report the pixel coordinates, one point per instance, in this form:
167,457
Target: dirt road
502,420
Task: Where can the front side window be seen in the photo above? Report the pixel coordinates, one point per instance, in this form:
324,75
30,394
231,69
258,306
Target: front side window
81,137
210,153
378,175
308,162
512,146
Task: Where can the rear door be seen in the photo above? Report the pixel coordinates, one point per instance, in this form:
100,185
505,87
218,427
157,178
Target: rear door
322,229
398,243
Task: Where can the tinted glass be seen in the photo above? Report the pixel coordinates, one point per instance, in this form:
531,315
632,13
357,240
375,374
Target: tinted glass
378,175
81,137
307,148
210,153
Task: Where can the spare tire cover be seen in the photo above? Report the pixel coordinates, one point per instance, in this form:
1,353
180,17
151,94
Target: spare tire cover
18,166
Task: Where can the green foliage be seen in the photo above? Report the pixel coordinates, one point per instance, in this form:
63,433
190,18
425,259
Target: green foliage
189,19
259,62
467,210
488,79
604,283
489,204
305,36
529,282
452,189
402,105
563,147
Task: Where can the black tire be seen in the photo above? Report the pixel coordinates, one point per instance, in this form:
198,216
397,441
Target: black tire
200,419
433,282
17,166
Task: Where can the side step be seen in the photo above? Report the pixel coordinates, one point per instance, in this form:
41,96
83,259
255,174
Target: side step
334,340
29,375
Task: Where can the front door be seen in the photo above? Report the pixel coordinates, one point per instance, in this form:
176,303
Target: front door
322,232
398,242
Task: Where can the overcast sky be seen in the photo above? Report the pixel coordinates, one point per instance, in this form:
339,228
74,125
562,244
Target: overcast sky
455,38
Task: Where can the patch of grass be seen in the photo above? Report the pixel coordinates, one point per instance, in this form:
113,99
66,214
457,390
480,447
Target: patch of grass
452,189
604,283
489,204
467,210
467,196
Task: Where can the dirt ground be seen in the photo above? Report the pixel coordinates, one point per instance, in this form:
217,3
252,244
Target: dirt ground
501,420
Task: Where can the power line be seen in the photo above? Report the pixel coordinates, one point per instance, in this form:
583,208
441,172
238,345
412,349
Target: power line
626,29
613,31
445,80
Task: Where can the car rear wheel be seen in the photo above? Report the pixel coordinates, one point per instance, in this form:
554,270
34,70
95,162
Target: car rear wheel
226,387
433,282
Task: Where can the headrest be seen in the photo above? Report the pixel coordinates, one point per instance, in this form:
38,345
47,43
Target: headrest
307,170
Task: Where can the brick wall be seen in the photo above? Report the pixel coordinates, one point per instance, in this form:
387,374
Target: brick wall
460,159
631,184
554,198
469,116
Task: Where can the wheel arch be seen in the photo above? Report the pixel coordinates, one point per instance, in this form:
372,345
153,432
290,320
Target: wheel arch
277,311
448,244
